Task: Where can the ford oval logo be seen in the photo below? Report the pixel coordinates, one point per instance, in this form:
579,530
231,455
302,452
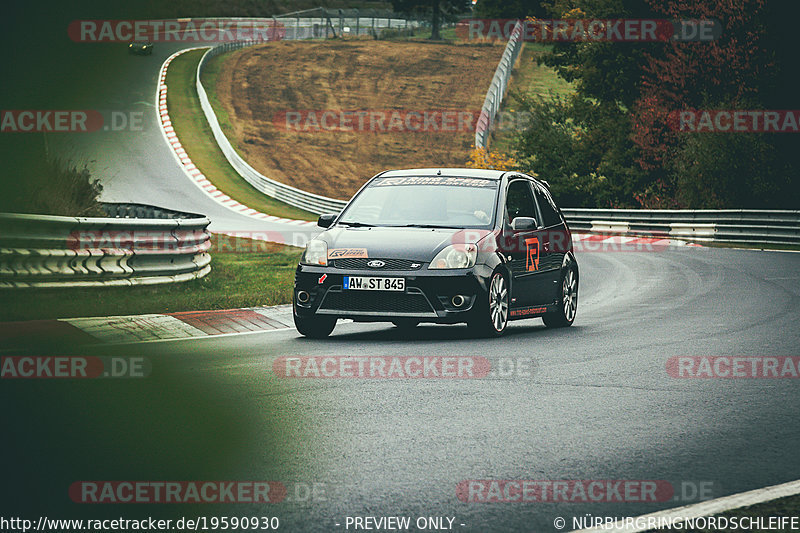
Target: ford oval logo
376,264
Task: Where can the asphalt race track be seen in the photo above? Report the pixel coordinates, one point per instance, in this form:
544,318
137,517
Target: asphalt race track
138,166
597,404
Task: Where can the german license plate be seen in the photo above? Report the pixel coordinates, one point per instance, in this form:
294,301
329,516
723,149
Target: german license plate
361,283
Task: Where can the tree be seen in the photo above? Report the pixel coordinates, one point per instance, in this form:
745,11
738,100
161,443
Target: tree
581,144
742,69
437,7
613,143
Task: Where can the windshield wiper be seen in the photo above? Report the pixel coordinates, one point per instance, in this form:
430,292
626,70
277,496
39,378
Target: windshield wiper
434,226
356,224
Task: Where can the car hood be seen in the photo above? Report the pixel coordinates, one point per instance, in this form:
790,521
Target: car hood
416,244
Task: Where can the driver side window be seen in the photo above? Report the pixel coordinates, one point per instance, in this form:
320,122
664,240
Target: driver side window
519,201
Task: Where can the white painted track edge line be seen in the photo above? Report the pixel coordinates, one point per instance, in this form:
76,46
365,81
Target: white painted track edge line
711,507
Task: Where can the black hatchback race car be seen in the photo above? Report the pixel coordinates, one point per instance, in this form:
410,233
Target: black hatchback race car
142,48
440,245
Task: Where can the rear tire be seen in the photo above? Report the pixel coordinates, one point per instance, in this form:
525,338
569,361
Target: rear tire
491,317
314,327
564,316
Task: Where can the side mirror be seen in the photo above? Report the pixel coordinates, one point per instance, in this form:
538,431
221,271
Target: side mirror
325,221
523,223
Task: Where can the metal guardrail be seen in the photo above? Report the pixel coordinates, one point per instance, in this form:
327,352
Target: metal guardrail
303,28
497,90
311,202
707,225
135,245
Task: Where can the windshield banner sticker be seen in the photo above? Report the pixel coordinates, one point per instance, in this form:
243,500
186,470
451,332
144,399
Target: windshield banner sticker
435,180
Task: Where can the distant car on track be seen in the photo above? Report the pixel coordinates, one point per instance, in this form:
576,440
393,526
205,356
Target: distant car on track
440,245
142,48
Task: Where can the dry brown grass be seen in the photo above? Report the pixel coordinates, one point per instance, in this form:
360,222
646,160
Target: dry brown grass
256,83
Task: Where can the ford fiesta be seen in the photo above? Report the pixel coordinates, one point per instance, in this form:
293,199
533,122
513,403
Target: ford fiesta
440,245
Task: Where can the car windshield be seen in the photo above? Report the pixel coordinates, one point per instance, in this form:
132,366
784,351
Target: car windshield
438,201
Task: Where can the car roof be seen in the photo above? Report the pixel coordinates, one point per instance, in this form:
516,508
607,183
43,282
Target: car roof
449,172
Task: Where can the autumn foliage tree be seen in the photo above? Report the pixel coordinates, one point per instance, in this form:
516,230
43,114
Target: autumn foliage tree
612,143
730,72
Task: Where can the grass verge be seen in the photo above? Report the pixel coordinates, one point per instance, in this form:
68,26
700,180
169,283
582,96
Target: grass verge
198,141
529,78
258,274
259,86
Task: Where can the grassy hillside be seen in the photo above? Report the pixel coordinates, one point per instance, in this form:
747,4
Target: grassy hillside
256,87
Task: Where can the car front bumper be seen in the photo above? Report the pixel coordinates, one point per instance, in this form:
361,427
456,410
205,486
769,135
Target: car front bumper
428,294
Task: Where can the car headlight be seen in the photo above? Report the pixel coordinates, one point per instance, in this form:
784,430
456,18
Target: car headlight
456,256
316,253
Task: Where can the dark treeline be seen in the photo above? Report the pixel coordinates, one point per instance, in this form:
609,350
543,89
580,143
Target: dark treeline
614,143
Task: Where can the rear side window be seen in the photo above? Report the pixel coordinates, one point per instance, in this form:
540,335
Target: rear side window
550,215
519,201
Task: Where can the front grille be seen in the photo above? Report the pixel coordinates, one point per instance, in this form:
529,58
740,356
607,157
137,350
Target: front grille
360,263
376,302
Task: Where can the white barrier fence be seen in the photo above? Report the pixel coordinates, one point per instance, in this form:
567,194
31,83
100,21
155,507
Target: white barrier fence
293,196
497,89
314,203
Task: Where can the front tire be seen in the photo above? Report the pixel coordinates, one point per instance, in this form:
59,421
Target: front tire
491,318
564,316
314,327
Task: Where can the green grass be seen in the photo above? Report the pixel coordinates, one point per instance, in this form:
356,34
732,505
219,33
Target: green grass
262,277
529,78
532,78
198,141
209,79
789,506
446,33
